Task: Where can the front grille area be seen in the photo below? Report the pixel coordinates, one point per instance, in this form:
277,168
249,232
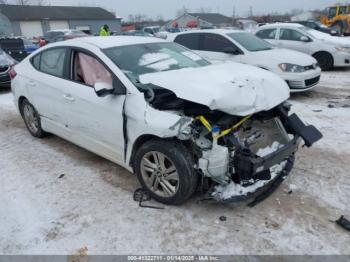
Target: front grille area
312,81
296,84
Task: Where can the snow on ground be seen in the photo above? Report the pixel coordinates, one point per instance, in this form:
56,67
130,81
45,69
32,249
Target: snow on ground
91,204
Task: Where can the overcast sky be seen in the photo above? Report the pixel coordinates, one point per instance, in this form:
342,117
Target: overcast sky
168,8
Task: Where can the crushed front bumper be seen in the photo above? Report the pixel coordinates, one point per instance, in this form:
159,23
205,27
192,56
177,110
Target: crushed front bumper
251,167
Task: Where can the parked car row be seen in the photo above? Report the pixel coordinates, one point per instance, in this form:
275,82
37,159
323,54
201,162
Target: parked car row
329,51
300,71
166,113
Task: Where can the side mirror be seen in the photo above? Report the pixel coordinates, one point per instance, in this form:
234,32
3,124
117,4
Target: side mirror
231,50
103,89
305,39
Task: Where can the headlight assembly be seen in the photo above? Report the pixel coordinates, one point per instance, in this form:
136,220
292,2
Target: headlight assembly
291,68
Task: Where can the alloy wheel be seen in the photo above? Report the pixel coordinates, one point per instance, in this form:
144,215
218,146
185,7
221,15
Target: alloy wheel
31,118
160,174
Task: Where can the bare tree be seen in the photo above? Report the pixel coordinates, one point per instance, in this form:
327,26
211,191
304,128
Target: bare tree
182,11
22,2
204,10
42,2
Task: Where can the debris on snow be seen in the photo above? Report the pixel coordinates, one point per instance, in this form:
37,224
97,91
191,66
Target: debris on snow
344,223
269,149
223,218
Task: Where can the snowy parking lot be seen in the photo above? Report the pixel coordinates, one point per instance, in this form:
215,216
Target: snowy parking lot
57,198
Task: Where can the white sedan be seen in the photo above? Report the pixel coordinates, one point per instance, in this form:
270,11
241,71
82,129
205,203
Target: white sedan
329,51
165,113
300,71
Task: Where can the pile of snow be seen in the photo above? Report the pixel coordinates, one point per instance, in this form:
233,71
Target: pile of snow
157,61
262,152
234,190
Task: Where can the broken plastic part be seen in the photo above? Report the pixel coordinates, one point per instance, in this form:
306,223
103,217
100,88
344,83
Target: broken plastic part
344,223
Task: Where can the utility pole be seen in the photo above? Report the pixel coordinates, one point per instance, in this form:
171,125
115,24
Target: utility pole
250,12
233,15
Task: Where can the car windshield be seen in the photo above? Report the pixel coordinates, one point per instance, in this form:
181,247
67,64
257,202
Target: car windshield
136,60
250,42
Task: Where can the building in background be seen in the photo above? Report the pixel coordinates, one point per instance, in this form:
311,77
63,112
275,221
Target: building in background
34,21
200,20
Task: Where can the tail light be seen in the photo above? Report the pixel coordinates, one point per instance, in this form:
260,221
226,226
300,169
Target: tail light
12,73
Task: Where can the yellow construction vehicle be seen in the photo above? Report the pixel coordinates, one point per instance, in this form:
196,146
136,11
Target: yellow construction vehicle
338,18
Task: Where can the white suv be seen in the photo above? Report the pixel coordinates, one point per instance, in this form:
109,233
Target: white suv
300,71
330,51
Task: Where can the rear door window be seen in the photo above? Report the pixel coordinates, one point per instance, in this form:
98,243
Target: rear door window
52,61
267,33
215,43
290,35
190,41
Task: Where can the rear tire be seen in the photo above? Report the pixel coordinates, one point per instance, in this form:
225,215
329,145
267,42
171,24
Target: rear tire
325,60
165,170
31,119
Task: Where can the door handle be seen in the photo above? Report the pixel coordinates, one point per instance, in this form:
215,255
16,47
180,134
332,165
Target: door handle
68,97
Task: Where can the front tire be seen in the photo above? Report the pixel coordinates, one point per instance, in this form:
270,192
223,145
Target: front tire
165,170
31,119
325,60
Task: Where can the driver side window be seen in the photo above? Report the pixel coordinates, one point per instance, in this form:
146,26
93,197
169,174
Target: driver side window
215,43
290,35
88,70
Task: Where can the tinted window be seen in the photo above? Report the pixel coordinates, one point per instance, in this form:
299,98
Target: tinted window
215,43
52,61
191,41
267,34
250,42
290,34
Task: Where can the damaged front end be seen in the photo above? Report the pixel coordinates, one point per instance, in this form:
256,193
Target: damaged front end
237,156
242,136
244,156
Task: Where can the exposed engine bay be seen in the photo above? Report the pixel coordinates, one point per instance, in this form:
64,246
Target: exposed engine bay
235,155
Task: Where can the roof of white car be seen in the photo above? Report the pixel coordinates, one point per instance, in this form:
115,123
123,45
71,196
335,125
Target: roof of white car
114,41
215,31
291,25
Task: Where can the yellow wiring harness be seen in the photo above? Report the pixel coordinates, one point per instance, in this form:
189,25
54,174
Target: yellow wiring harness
208,126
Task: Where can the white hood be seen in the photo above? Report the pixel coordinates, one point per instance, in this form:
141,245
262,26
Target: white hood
335,40
230,87
279,55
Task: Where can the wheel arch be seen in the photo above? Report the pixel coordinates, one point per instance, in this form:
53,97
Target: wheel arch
20,101
145,138
137,144
323,52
